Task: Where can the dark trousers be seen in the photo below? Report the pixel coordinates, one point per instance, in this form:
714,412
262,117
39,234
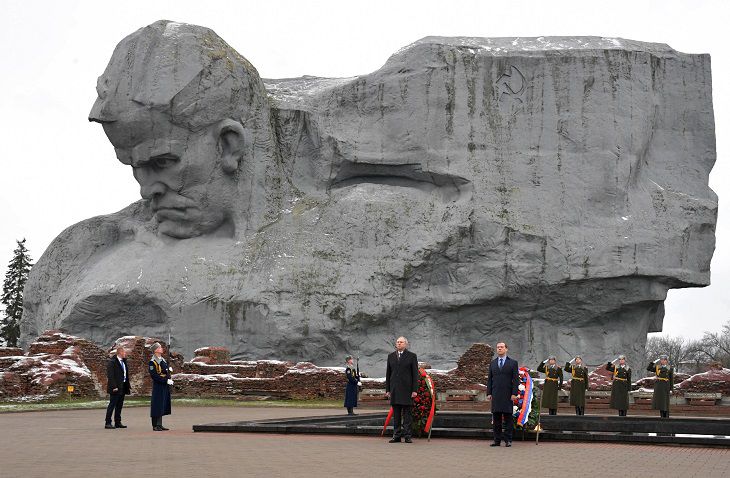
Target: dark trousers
402,413
115,405
156,421
501,420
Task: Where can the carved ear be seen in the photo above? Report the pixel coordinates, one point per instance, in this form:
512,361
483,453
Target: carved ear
230,144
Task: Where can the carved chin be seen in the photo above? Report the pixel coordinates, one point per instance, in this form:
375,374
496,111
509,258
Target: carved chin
178,230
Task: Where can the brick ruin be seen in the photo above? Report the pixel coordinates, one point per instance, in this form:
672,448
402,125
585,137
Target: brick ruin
57,361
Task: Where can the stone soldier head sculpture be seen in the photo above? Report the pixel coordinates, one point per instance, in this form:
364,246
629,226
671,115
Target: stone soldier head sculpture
187,116
532,189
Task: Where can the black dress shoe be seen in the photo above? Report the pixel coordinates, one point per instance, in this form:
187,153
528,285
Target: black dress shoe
109,426
408,440
119,425
509,443
495,444
394,440
157,429
163,428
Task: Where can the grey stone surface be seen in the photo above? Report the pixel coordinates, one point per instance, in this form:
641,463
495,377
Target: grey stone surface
543,191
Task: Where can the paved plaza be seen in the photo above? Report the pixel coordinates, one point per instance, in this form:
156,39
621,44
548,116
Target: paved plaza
74,443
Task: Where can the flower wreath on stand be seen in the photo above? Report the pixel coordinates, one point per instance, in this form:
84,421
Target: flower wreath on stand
424,405
526,408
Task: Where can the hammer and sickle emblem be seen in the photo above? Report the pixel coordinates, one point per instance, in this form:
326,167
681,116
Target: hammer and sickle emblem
511,84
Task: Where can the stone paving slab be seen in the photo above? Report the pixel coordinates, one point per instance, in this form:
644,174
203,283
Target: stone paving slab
74,443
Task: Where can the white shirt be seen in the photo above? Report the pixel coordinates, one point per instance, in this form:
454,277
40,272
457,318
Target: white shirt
124,369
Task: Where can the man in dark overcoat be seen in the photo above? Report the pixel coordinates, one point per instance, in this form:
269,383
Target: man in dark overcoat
401,385
117,375
502,388
161,403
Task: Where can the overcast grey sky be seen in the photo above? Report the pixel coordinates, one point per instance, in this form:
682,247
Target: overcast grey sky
58,169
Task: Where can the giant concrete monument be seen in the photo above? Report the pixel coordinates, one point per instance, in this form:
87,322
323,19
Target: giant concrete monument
543,191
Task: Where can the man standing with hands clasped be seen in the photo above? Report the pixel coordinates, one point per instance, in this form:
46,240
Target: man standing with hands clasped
401,384
117,375
502,383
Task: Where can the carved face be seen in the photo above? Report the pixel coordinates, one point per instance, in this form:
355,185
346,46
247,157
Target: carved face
180,173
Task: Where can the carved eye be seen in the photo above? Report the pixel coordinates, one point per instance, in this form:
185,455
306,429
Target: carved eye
163,161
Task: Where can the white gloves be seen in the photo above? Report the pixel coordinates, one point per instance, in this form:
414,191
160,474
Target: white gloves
169,381
359,384
170,369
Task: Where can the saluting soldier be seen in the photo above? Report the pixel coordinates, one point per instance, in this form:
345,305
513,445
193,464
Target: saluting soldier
578,384
161,383
353,382
620,386
663,385
553,382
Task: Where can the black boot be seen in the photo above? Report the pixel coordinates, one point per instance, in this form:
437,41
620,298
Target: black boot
577,410
553,411
159,424
155,426
349,411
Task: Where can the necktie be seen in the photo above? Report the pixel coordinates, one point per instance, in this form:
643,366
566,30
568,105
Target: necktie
399,355
501,362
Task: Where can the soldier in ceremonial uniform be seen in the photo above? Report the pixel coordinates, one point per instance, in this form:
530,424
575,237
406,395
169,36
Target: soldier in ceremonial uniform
578,384
553,382
160,372
620,386
663,385
353,383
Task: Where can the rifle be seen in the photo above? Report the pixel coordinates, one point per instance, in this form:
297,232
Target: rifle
357,361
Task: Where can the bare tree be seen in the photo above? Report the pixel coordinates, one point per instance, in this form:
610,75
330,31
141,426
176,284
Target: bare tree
715,346
676,348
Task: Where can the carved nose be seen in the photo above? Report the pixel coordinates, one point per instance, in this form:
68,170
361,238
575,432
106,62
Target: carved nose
155,189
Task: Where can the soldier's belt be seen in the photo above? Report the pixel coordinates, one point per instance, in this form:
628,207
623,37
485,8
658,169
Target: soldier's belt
662,379
617,378
553,379
577,378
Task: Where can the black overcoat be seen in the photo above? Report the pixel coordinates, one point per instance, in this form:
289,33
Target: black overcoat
401,377
115,377
502,384
161,401
351,389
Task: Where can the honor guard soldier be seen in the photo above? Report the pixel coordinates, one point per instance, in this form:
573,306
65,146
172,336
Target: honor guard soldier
161,383
553,382
578,384
663,384
620,386
353,384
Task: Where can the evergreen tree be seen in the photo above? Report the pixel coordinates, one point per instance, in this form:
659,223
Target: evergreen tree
12,297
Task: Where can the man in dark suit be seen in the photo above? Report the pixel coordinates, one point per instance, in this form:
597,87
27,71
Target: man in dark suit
401,385
502,383
117,374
